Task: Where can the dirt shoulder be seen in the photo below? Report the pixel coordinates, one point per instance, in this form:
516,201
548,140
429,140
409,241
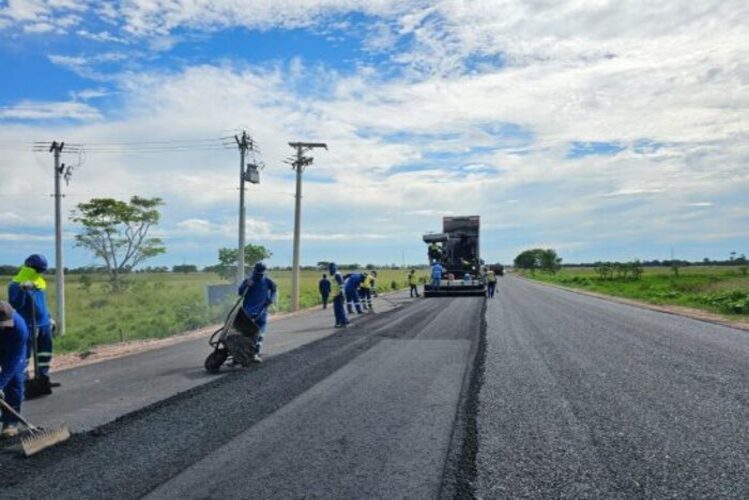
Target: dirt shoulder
688,312
120,349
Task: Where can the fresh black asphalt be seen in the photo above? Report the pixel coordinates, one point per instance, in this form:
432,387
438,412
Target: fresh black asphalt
586,398
368,410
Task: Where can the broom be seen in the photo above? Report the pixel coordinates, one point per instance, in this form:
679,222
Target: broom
37,438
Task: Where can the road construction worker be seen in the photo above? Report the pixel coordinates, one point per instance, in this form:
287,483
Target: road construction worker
351,287
339,297
434,251
366,289
491,283
437,272
324,287
259,293
14,337
27,293
413,283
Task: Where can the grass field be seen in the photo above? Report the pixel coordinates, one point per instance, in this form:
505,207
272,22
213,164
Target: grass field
157,305
723,290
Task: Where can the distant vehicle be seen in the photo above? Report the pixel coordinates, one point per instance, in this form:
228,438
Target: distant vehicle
498,269
457,249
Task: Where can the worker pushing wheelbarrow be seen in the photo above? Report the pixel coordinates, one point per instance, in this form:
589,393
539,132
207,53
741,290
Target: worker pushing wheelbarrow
240,339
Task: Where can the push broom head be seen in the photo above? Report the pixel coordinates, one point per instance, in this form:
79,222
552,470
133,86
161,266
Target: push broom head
39,439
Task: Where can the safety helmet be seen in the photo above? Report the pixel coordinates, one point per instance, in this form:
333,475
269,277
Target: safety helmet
37,262
259,268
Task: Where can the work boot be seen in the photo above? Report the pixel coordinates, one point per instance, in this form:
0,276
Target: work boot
256,358
9,431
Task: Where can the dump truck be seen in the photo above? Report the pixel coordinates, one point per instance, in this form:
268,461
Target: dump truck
457,249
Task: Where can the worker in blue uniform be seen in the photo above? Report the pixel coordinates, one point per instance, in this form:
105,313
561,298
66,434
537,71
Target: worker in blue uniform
437,272
352,284
14,337
339,297
27,293
324,288
259,293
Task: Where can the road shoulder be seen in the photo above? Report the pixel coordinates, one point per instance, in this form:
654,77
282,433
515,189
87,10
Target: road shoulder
686,312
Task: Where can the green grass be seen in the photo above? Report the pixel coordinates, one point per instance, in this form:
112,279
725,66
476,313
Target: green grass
722,290
157,305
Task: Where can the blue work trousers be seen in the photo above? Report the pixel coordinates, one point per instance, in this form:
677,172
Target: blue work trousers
435,283
13,396
490,287
352,299
43,348
339,310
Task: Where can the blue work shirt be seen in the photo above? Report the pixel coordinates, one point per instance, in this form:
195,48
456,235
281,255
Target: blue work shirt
353,281
261,293
21,301
13,341
437,271
324,286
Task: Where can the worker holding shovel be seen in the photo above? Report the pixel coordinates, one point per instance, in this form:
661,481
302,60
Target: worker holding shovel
13,339
27,293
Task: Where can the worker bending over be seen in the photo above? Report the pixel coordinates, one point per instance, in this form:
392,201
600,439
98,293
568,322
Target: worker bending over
27,293
14,337
259,293
366,289
351,286
339,299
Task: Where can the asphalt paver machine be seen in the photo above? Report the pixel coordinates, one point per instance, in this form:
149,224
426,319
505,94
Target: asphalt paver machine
457,249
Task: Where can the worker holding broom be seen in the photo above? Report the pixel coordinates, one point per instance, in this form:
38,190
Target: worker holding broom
27,293
13,339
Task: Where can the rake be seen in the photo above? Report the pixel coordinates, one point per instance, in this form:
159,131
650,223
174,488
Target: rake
37,438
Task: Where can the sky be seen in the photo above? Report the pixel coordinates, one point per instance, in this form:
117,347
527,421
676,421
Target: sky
608,130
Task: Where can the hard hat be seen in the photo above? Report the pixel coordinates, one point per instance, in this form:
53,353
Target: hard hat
259,268
36,262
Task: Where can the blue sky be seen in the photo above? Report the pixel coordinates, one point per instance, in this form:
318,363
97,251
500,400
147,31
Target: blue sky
606,130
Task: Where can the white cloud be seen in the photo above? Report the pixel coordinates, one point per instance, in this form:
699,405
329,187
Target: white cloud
37,110
671,73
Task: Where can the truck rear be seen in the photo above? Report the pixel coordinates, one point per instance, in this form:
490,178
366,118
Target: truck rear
456,248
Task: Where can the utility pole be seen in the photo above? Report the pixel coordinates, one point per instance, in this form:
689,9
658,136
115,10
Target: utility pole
298,164
244,142
56,148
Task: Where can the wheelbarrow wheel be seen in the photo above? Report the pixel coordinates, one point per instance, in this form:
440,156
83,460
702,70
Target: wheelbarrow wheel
215,359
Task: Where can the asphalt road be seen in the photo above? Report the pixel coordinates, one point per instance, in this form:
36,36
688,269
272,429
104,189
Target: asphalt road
98,393
583,397
368,411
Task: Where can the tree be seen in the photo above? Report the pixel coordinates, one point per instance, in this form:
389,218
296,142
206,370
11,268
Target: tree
117,232
527,260
550,262
228,257
539,258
